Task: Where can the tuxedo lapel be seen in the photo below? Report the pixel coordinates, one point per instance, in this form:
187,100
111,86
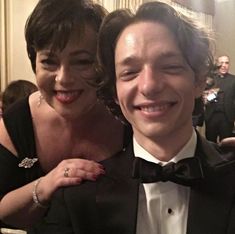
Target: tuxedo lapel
117,196
210,202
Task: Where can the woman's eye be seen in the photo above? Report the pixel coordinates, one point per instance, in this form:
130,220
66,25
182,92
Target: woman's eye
83,62
48,62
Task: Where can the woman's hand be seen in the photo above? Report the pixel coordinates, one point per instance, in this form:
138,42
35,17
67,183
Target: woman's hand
69,172
228,142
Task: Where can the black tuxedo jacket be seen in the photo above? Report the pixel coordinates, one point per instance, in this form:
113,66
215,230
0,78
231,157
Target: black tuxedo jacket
109,205
229,98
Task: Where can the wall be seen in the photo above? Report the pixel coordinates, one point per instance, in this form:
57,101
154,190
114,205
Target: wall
205,6
225,30
14,61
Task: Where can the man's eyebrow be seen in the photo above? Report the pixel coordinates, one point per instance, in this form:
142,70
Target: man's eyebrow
132,59
170,54
127,61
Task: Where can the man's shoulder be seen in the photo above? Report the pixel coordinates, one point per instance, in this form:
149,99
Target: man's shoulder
124,156
230,76
217,157
116,167
218,166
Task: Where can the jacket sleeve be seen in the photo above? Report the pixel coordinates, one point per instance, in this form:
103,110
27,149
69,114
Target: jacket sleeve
57,219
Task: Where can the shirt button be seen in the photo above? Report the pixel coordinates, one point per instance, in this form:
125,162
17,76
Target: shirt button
170,211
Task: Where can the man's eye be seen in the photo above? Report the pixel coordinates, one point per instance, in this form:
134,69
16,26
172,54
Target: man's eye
173,68
128,75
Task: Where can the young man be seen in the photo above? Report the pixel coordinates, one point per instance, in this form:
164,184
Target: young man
169,180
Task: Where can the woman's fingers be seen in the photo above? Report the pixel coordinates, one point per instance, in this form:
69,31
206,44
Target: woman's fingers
230,141
68,173
73,171
228,144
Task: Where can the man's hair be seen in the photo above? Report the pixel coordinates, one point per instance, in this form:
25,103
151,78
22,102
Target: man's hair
220,56
16,90
193,41
52,22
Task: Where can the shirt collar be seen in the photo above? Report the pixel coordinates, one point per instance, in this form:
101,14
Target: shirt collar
186,152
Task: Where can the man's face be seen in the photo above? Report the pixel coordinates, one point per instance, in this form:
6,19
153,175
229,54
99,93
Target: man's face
155,86
223,62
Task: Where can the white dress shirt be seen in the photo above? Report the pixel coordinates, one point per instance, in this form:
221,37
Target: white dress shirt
163,206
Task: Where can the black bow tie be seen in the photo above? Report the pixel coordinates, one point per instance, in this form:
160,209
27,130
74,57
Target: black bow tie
186,172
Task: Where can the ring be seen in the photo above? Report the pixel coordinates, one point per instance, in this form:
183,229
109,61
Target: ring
66,172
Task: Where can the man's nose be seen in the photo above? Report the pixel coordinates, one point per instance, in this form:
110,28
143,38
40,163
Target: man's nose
150,82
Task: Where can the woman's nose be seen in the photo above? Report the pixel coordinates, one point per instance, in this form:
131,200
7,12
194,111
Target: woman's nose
64,75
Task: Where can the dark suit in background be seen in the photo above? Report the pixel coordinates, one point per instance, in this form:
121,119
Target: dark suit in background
220,113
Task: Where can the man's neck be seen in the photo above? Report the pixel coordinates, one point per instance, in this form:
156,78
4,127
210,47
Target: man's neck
165,150
222,75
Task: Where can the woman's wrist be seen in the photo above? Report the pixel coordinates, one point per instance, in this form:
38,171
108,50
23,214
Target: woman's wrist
35,195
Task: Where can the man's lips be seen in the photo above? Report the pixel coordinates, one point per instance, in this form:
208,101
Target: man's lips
67,96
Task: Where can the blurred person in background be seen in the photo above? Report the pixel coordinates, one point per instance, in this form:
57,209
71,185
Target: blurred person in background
220,102
17,90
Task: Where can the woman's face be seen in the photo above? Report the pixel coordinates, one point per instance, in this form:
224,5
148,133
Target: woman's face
62,76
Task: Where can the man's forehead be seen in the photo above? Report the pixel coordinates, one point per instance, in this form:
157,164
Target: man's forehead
223,59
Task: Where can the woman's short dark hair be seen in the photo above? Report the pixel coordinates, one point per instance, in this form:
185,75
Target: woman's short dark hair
52,22
193,41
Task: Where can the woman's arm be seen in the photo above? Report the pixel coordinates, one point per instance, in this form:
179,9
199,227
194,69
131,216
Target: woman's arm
17,207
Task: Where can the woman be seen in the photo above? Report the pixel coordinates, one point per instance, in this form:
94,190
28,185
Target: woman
1,105
51,134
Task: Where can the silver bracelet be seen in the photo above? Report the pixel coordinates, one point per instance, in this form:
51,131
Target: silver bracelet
35,195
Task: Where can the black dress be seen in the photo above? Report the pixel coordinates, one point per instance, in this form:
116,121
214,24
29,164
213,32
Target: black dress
19,124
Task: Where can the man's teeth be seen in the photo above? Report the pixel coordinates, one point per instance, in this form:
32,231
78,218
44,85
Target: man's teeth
154,108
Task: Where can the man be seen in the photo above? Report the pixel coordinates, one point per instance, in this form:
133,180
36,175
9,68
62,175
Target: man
220,104
169,180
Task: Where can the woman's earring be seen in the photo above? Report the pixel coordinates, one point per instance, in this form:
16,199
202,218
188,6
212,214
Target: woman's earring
57,79
40,98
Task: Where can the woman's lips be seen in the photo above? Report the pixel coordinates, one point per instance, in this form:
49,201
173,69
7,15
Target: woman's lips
67,97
